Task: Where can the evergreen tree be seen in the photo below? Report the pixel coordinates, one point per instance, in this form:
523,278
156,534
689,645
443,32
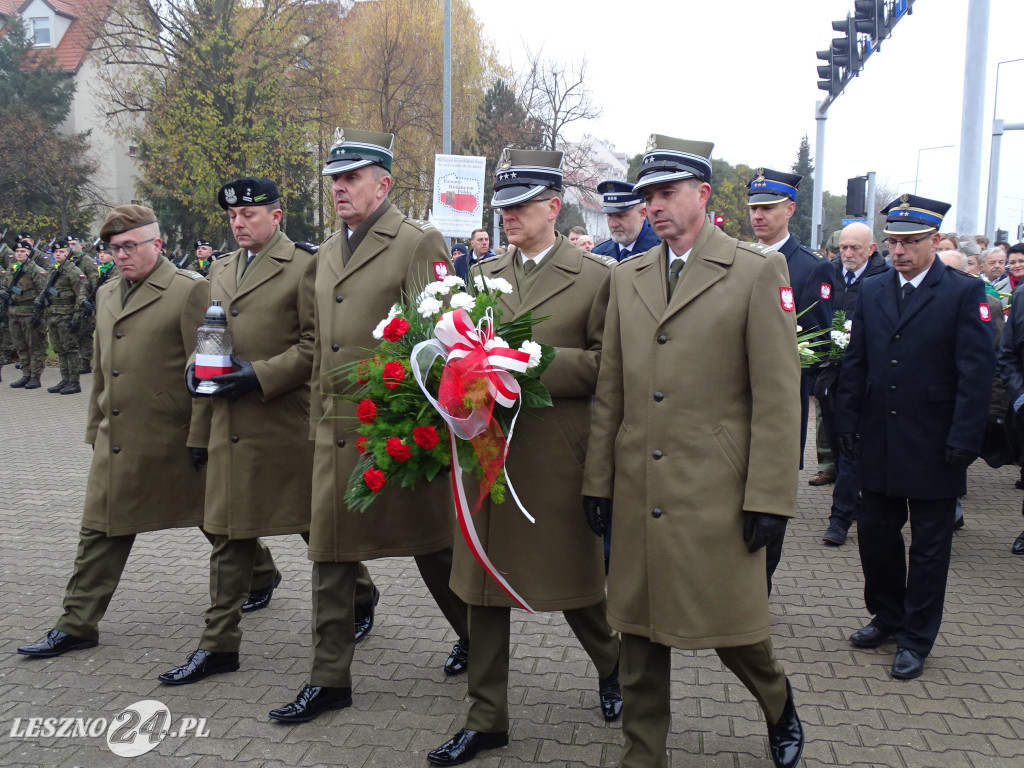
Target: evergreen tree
800,224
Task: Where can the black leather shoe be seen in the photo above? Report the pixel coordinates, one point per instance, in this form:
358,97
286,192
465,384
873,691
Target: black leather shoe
907,665
464,745
311,701
786,737
260,598
835,535
55,643
458,659
33,383
72,389
1018,545
365,614
201,664
870,636
56,388
958,523
611,696
20,382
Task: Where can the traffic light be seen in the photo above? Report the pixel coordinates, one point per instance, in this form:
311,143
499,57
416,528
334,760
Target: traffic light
857,197
869,19
845,51
829,74
1002,236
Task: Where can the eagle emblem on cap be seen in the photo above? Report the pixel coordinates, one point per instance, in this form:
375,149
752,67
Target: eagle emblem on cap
117,225
339,135
760,174
905,201
652,143
229,196
506,159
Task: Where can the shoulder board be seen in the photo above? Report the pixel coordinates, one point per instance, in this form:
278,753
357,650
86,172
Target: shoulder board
190,273
757,248
960,272
421,225
607,261
307,247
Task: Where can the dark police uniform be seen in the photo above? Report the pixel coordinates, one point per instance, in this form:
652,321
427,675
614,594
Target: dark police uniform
914,387
618,196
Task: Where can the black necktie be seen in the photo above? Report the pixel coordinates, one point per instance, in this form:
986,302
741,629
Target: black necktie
850,277
908,291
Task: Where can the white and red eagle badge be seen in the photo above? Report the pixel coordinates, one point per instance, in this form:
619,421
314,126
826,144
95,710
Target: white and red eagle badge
826,291
984,313
440,270
786,297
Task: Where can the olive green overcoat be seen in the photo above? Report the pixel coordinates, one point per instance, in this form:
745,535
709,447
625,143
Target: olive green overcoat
397,254
556,563
261,460
140,413
697,418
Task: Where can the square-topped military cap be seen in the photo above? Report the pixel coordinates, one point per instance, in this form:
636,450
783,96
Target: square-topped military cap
617,196
769,187
125,218
913,215
202,242
522,174
354,149
248,192
668,159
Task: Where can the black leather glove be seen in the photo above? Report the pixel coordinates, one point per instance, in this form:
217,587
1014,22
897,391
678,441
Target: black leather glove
192,381
39,305
88,307
74,324
598,512
959,458
760,527
5,295
847,442
237,383
199,457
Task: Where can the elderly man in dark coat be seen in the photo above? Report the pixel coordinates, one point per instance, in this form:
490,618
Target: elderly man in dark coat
912,403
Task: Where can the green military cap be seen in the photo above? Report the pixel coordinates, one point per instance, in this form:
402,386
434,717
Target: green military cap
522,174
832,244
248,192
668,159
354,149
124,218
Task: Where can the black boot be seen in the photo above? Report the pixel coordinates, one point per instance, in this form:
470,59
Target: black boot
56,388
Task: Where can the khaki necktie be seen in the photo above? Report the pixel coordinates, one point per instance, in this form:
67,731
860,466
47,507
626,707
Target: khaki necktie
673,275
529,266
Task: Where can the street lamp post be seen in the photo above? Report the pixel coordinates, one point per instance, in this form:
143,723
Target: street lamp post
998,126
917,174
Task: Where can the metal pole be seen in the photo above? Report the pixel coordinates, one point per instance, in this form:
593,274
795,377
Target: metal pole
446,117
925,149
820,117
993,179
972,125
871,206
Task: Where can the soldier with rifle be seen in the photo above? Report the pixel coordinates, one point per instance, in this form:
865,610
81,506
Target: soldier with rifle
6,260
61,301
84,261
17,305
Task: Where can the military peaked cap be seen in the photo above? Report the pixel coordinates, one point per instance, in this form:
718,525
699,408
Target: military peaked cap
617,196
522,174
911,215
668,159
355,149
769,187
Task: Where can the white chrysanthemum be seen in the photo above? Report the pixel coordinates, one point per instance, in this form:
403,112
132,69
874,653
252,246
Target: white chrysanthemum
501,285
534,350
848,325
394,312
799,328
840,339
497,341
454,281
436,289
462,301
429,306
378,332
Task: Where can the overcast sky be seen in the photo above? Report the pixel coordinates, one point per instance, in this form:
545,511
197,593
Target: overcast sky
742,73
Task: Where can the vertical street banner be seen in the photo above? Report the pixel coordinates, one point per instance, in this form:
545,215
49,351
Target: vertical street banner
458,206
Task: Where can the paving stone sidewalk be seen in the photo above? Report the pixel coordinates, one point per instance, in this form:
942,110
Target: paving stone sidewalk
966,711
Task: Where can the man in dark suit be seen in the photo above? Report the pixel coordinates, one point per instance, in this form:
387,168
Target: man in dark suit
771,201
478,250
912,402
858,259
627,221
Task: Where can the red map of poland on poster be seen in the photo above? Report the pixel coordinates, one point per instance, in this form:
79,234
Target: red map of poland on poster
458,194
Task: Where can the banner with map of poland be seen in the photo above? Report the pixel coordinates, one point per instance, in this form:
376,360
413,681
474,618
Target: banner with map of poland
458,206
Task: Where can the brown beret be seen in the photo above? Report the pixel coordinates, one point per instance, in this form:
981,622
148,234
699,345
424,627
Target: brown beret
125,217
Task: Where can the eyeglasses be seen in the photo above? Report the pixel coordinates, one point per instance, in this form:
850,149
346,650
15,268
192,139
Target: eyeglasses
890,243
128,248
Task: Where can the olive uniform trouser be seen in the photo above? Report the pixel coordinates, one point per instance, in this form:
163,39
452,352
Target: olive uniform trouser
232,569
489,634
30,344
98,567
334,586
646,677
85,340
65,343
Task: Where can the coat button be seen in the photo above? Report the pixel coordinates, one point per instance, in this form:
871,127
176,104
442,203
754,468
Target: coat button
118,335
116,449
892,387
656,513
892,413
341,443
234,313
896,337
657,455
116,411
234,438
339,298
115,372
662,339
658,396
335,347
894,362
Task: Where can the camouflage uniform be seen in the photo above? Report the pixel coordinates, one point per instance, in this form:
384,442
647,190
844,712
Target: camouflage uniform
29,340
88,319
67,293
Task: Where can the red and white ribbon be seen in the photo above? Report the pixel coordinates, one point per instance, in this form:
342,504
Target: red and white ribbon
208,366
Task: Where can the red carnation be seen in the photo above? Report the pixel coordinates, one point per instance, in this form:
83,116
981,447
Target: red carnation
361,443
374,479
394,372
366,411
396,329
425,437
397,450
